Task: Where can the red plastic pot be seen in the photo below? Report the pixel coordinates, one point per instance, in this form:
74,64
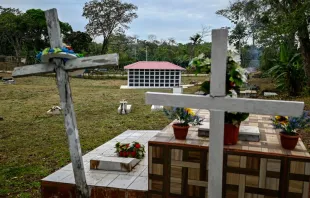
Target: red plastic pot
231,133
180,131
289,142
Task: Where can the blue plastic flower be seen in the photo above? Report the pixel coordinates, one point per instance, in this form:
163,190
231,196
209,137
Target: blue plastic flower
51,50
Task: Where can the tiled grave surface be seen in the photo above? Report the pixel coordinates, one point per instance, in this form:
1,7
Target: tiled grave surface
269,137
104,183
178,168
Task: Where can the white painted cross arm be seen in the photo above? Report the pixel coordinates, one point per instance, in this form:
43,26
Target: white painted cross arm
256,106
70,65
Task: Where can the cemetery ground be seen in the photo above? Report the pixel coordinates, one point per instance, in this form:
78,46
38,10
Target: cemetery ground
34,144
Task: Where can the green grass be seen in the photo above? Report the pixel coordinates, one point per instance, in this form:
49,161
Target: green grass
34,144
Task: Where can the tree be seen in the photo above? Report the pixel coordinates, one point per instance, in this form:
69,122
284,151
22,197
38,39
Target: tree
107,17
12,28
273,22
25,32
195,39
79,41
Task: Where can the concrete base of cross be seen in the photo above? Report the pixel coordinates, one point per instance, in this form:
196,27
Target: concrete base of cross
246,133
128,110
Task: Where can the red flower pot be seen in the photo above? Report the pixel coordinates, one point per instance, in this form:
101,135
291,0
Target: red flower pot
231,133
289,142
180,131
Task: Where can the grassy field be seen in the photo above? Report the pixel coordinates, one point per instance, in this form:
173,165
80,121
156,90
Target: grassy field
33,144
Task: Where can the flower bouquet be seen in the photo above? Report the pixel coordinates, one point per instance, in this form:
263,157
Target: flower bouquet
288,128
184,116
134,150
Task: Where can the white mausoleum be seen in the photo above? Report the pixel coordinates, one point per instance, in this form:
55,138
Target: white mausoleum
153,74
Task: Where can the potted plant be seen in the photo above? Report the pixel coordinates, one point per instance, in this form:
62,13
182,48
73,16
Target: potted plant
289,127
184,117
134,150
232,125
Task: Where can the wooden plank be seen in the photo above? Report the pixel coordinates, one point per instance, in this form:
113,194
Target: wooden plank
33,69
185,164
306,184
241,191
256,106
109,60
67,106
262,174
216,149
219,58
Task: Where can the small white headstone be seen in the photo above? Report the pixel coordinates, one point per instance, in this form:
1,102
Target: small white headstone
157,108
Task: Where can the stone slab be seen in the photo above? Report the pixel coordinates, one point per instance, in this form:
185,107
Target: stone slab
246,133
113,163
10,82
128,108
248,92
270,94
177,90
157,108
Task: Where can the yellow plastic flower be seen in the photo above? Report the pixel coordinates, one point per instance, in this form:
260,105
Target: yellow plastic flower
190,111
281,119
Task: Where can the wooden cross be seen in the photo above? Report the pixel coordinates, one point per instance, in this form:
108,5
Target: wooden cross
218,103
57,65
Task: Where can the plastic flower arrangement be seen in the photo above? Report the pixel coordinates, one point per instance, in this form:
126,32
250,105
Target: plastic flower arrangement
290,125
185,116
65,49
134,150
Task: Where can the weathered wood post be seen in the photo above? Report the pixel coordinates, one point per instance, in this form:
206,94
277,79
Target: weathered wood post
67,105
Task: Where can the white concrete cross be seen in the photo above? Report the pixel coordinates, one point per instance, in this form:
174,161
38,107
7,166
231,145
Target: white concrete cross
218,104
57,65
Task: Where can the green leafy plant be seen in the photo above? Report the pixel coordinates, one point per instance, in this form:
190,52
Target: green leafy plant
185,116
288,72
200,64
235,118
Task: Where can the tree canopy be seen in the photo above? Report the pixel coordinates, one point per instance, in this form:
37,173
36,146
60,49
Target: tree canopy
107,17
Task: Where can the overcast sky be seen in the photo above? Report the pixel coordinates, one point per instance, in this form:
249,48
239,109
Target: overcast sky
178,19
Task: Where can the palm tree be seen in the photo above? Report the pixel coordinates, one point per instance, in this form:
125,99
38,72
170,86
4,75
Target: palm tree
195,39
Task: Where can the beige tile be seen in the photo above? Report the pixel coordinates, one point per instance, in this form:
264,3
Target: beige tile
106,180
141,184
122,181
93,178
57,176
